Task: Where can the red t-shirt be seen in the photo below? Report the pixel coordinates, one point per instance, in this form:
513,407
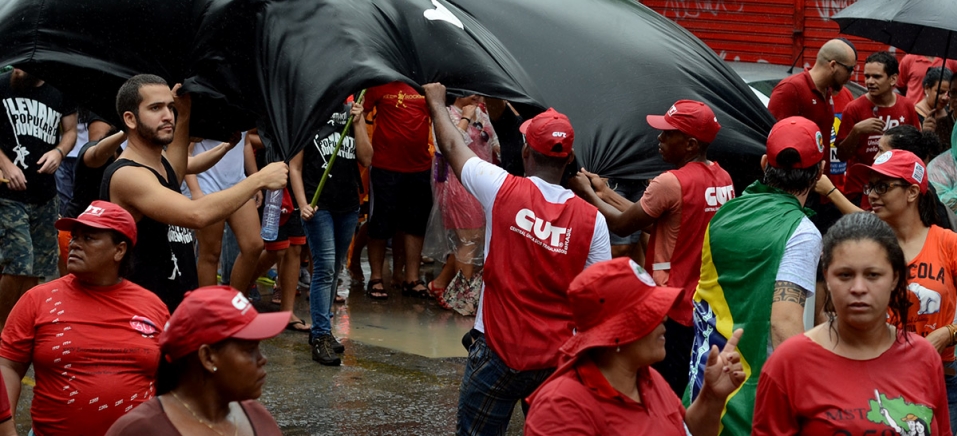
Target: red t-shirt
806,389
402,126
901,113
94,351
913,68
798,96
579,400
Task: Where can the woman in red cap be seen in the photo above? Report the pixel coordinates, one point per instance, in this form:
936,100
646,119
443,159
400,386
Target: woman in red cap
91,335
857,373
211,370
607,386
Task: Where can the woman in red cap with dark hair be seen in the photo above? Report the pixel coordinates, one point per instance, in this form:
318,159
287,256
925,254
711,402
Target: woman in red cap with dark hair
211,370
897,191
606,386
91,335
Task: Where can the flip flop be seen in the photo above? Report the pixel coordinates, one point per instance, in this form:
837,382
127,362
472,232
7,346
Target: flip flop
294,326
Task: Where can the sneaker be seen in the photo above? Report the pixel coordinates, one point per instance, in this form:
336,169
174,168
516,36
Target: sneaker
337,346
322,351
304,278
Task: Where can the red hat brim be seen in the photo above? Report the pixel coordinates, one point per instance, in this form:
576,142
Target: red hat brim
658,122
264,326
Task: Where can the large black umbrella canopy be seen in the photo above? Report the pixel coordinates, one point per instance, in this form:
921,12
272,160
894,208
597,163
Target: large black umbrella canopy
609,63
925,27
285,65
313,53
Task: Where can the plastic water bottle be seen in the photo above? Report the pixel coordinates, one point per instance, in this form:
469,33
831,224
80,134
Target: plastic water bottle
270,229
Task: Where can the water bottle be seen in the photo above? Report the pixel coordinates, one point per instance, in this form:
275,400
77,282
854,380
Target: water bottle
271,210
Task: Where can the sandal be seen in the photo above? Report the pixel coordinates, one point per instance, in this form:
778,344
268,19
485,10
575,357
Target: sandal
376,293
276,296
408,288
295,326
437,293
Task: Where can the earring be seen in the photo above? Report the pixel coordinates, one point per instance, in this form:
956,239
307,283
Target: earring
618,349
215,369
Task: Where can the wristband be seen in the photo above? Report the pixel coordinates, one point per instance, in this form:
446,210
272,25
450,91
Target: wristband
829,192
466,119
953,334
59,151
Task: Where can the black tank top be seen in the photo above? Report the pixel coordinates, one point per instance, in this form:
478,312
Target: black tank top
163,258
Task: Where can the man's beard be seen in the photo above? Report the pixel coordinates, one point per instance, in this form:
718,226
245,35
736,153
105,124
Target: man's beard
151,135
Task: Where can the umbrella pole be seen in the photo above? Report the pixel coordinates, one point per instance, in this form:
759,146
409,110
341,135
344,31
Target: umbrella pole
943,64
335,152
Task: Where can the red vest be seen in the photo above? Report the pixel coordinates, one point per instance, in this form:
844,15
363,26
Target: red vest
704,188
535,250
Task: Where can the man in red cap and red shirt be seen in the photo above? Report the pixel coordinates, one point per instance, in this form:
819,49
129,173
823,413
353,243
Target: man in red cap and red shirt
678,205
91,336
758,265
539,236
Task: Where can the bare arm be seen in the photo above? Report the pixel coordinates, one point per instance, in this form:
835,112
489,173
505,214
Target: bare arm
825,187
787,311
448,138
620,222
177,152
205,160
98,130
97,155
306,211
361,133
137,190
12,373
192,183
13,173
848,147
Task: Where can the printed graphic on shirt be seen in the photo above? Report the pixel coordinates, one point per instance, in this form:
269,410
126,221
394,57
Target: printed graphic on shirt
541,232
715,196
905,418
328,144
401,97
929,299
28,117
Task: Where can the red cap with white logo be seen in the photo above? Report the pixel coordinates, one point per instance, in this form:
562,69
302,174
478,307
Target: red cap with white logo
102,215
900,164
549,133
693,118
799,134
211,314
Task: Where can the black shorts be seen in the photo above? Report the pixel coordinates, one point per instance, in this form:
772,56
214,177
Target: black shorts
400,202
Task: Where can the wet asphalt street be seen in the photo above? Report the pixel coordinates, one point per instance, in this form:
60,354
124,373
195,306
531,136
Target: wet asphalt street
400,373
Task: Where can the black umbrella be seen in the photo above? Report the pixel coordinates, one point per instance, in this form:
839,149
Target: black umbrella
608,63
924,27
286,64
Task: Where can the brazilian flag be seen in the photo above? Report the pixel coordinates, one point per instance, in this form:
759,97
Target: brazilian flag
742,250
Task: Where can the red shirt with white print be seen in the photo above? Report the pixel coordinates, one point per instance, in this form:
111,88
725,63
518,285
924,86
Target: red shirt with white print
901,113
94,350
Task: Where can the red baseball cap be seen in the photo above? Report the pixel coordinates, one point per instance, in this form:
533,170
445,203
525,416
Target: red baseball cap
799,134
900,164
213,313
693,118
615,303
549,133
102,215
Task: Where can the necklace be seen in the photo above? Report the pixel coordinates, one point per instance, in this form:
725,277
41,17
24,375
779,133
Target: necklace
203,421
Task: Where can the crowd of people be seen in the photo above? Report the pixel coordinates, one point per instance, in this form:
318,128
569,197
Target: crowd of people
700,324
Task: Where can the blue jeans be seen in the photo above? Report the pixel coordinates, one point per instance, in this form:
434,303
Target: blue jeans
951,382
64,183
490,390
329,235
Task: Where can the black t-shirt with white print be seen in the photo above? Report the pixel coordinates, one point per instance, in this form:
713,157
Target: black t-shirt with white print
341,192
29,127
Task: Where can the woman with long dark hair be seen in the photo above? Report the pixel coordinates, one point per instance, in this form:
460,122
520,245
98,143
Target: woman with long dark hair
862,362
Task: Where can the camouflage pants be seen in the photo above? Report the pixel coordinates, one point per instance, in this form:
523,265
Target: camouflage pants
28,240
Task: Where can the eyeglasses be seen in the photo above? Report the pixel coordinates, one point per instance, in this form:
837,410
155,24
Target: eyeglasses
849,68
881,188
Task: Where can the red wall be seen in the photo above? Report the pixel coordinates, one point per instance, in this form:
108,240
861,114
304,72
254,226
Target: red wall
773,31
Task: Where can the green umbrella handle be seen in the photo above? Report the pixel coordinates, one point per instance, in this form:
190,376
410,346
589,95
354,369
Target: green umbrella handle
335,152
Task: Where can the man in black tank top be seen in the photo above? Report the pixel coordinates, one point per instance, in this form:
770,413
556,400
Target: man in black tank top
145,180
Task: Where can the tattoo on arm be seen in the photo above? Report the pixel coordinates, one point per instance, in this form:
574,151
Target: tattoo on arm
790,292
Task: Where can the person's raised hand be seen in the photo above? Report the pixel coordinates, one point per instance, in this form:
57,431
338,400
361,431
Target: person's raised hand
356,110
823,185
870,126
182,101
234,138
274,175
581,185
434,92
468,111
723,372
